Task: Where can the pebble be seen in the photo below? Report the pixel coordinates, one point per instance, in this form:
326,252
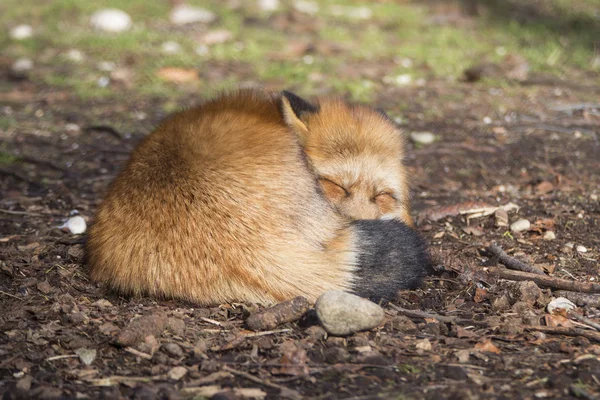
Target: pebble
422,137
21,32
343,313
171,47
87,356
111,20
75,225
21,66
177,373
216,36
184,14
268,5
581,249
307,7
75,55
173,349
549,235
520,225
352,12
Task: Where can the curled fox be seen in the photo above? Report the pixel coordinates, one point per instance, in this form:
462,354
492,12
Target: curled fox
260,197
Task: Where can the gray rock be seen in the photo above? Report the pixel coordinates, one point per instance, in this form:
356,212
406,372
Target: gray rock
22,66
343,313
520,225
86,356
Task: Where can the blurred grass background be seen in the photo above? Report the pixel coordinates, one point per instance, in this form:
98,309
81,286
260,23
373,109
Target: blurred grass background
346,46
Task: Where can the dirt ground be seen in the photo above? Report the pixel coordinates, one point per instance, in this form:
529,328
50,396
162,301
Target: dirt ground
533,143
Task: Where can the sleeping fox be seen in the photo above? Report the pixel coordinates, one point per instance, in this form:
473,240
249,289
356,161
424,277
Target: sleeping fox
260,197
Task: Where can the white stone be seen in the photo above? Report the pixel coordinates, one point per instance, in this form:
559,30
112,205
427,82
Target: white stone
268,5
487,120
75,55
86,356
422,137
22,65
549,235
21,32
184,14
520,225
352,12
403,79
111,20
176,373
171,47
581,249
75,225
106,66
307,7
343,313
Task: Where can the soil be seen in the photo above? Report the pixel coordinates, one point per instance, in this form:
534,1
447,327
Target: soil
58,329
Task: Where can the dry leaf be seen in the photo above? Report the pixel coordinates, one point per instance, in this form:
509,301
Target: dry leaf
480,295
178,75
487,346
464,333
558,320
544,187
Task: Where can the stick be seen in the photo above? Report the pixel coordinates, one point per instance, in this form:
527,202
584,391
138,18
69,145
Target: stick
287,311
581,299
511,262
138,353
259,381
559,330
442,318
10,295
544,280
30,214
584,320
62,357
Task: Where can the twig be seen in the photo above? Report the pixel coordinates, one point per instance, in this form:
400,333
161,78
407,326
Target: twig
105,128
559,330
265,333
138,353
584,320
211,321
30,214
256,379
544,280
511,262
10,295
581,299
442,318
62,357
575,107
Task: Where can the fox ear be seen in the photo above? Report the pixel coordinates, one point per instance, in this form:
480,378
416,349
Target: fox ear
293,107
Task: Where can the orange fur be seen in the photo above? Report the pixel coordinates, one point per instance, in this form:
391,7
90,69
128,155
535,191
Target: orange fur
357,154
218,205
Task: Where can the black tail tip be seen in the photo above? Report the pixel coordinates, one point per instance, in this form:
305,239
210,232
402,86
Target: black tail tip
392,257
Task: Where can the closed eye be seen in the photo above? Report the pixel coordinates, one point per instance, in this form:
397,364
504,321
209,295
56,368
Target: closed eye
333,188
384,195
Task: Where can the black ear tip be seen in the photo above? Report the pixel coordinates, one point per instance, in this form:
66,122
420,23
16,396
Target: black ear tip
298,104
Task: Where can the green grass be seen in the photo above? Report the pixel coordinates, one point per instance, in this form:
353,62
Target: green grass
558,40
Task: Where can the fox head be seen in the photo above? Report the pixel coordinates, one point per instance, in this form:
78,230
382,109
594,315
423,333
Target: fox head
356,153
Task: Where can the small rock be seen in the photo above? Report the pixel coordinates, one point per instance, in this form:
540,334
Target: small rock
44,287
138,329
306,7
173,349
24,384
170,47
528,292
106,66
424,345
75,55
520,225
501,303
21,32
215,37
284,312
581,249
76,252
111,20
184,14
268,5
78,318
316,332
422,137
343,313
21,67
177,373
86,356
102,304
176,326
352,12
335,355
549,235
75,225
